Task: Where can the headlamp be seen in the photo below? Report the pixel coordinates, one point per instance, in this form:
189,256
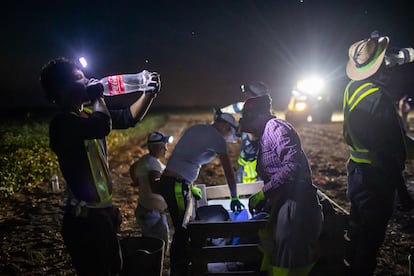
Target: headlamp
158,137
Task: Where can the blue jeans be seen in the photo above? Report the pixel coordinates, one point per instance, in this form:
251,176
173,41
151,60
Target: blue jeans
153,223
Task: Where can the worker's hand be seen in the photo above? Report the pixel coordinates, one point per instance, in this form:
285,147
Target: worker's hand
154,82
257,202
196,192
94,89
235,204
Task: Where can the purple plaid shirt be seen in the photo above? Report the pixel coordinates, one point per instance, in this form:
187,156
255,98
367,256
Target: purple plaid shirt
281,160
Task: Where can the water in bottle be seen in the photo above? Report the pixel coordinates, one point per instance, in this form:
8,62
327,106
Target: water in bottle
127,83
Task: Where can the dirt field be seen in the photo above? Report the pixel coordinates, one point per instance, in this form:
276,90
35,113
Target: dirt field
30,221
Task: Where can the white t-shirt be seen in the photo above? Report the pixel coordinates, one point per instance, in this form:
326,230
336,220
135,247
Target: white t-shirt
198,145
147,198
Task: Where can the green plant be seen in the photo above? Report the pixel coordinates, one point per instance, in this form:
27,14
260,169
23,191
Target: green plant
25,156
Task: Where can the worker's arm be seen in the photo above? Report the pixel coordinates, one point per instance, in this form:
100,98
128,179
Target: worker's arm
140,107
235,203
228,172
128,117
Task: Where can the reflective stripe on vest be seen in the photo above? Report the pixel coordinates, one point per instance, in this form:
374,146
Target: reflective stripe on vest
179,197
358,155
249,169
99,168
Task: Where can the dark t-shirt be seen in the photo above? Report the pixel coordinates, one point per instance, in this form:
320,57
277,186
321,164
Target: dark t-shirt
67,135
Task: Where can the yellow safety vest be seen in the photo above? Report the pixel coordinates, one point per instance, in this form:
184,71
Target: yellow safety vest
249,168
352,99
98,163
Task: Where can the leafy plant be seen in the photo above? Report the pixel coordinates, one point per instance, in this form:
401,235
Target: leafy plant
25,156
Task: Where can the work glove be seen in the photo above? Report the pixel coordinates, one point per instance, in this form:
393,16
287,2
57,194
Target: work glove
235,204
154,82
196,192
257,202
94,90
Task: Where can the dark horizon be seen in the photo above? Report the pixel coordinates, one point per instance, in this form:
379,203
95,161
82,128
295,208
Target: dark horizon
203,50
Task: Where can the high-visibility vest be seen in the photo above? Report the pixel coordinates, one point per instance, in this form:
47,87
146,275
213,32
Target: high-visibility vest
249,170
98,163
362,96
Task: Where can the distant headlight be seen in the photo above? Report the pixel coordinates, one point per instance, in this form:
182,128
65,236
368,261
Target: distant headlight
312,85
300,106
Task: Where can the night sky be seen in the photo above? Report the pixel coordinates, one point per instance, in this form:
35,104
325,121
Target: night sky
203,50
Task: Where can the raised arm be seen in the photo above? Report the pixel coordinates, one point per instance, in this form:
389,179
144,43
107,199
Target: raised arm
140,107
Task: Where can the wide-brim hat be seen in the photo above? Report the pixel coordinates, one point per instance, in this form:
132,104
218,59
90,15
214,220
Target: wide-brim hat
366,57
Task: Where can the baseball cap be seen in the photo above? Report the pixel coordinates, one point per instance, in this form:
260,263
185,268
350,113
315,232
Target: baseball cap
228,118
159,137
255,88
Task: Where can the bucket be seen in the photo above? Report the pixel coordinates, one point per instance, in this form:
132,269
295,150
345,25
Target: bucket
142,256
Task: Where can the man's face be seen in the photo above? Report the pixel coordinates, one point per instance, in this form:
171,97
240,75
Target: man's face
74,92
247,122
248,95
158,149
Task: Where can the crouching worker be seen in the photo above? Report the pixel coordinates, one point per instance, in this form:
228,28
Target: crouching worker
146,173
290,243
77,136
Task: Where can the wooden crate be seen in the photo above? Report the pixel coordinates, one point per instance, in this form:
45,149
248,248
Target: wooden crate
247,253
201,254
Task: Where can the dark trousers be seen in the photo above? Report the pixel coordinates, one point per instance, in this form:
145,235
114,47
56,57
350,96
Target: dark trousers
179,263
90,237
371,192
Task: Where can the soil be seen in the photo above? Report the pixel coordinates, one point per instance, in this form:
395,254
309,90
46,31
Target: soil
30,220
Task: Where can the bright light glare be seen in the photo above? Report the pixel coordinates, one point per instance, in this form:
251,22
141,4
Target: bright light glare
300,106
83,62
311,85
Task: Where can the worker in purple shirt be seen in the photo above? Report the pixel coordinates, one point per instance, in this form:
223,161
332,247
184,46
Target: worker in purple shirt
288,190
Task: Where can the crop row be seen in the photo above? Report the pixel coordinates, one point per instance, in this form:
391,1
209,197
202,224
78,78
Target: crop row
25,156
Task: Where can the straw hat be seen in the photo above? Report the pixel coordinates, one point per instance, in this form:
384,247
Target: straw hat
366,56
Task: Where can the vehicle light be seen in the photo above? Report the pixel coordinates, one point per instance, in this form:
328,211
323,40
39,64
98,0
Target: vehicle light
301,106
313,85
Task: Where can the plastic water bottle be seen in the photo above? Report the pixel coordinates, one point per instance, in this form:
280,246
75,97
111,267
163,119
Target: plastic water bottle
54,183
127,83
233,108
404,55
